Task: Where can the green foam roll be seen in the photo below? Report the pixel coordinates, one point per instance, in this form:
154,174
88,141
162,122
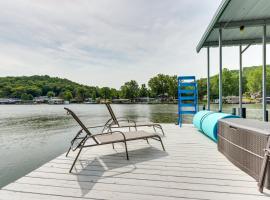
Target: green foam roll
210,123
199,117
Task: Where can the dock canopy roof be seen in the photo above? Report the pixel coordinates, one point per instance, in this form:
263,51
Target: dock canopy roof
241,22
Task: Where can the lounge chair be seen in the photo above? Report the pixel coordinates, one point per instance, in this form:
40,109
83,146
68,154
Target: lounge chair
121,122
109,137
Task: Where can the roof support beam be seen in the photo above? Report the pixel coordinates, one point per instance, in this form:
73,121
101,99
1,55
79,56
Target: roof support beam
241,52
245,48
240,81
208,78
264,74
220,70
246,23
236,42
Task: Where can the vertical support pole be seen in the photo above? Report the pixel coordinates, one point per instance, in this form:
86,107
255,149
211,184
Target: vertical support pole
240,81
220,70
208,78
264,74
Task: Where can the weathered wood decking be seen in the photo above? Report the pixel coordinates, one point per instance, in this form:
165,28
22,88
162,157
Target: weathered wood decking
191,168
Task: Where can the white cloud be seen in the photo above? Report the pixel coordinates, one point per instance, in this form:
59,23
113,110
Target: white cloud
104,42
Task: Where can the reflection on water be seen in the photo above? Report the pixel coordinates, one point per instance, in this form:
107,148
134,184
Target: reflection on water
31,135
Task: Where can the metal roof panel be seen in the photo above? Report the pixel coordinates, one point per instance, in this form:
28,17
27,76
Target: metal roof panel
230,15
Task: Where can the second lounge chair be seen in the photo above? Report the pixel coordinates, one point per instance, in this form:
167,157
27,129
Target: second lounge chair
121,122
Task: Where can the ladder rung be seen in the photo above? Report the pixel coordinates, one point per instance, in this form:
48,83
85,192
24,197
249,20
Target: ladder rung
187,105
187,98
187,84
187,91
188,112
186,77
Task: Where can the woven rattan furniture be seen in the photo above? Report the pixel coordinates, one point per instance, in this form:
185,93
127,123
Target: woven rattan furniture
243,142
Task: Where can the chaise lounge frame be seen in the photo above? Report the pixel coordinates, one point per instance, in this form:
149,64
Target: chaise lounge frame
81,140
115,122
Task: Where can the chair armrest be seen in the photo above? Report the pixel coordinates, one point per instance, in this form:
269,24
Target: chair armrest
123,119
124,137
99,126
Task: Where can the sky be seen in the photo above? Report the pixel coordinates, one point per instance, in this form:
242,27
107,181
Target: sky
109,42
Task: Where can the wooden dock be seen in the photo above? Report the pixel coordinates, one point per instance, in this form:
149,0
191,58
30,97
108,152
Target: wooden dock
191,168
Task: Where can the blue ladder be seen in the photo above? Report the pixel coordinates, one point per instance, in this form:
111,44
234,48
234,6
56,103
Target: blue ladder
187,97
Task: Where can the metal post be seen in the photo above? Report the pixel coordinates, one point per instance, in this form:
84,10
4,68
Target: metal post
264,74
220,70
208,78
240,81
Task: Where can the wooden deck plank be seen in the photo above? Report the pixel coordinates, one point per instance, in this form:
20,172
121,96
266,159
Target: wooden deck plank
191,168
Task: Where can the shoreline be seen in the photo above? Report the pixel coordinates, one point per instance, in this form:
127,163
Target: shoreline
171,103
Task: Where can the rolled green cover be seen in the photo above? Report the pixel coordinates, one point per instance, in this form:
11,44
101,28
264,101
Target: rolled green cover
199,117
207,122
210,124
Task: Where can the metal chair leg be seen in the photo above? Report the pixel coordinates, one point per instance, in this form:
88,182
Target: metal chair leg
161,143
162,130
147,140
75,160
68,151
113,145
126,150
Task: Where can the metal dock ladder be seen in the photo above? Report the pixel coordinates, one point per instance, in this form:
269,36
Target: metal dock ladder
187,97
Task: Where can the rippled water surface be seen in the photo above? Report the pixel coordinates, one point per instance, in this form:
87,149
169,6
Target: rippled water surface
31,135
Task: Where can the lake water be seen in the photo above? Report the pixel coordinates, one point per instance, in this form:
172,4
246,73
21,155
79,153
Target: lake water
31,135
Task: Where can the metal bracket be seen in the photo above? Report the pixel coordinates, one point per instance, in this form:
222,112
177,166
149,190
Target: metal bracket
245,48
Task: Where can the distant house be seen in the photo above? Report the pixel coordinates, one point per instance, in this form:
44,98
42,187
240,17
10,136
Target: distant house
144,100
41,99
256,95
121,101
9,100
89,101
163,97
56,100
104,101
232,99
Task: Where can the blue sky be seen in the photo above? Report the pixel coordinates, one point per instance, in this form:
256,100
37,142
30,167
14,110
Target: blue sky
108,42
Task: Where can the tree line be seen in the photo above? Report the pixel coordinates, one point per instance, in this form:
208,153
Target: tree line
252,83
28,87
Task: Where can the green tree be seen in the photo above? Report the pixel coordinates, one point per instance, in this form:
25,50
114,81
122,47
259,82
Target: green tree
105,93
254,81
172,86
229,82
18,91
67,95
50,94
80,94
143,92
26,97
202,88
130,90
159,84
114,93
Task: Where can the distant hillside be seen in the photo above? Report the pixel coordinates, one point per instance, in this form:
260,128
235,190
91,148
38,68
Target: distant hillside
27,87
252,82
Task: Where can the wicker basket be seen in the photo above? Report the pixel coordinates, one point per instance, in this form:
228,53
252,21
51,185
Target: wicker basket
243,142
